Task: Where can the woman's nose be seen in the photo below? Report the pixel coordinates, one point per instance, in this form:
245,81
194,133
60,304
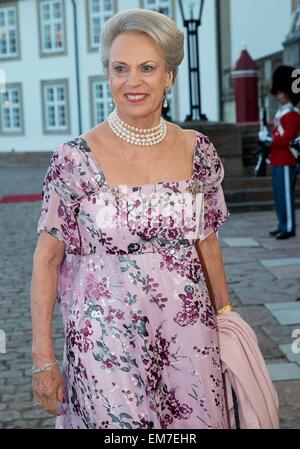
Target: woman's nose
134,78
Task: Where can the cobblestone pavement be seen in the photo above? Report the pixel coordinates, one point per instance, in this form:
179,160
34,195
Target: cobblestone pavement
263,277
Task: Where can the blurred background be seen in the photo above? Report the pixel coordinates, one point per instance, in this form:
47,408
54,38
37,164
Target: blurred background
52,89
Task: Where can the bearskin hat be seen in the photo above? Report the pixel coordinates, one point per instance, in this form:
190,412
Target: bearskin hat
283,81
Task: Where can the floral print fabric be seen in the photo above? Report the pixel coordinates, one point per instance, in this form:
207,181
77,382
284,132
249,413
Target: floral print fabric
141,347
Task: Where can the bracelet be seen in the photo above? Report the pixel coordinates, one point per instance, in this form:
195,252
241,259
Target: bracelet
227,308
46,367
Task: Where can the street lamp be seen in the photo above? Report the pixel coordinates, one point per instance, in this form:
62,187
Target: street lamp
192,25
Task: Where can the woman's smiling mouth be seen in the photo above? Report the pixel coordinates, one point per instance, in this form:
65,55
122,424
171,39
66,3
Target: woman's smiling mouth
135,98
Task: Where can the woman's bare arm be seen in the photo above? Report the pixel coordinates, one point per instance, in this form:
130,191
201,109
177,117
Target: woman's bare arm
47,259
210,255
46,263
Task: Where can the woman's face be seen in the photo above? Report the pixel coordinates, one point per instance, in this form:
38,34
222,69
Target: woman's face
138,78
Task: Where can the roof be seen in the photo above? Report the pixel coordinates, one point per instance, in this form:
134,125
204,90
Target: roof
245,62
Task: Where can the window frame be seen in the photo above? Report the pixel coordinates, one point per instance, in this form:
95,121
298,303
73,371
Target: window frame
142,4
20,132
17,56
173,95
56,82
90,48
92,80
55,53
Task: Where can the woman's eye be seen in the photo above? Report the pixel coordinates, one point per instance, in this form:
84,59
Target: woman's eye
119,69
148,68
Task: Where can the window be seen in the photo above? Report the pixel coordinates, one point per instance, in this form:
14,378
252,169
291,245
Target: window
52,30
162,6
99,11
165,7
9,47
101,98
11,117
55,107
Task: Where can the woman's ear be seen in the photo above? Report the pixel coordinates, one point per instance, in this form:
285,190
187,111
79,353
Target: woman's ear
170,79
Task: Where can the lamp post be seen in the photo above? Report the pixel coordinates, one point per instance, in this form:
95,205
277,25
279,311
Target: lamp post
192,26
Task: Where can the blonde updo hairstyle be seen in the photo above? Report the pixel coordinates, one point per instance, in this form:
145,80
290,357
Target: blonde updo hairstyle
159,27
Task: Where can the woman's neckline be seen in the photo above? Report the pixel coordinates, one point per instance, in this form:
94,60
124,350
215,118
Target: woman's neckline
98,169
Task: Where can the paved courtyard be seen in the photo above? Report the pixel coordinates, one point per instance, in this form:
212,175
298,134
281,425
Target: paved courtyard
264,282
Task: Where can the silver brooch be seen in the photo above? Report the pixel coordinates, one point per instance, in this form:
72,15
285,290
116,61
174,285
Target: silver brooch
195,187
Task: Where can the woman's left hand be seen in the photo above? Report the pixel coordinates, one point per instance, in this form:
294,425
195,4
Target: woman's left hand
48,388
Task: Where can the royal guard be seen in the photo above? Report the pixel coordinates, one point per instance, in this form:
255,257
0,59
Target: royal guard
282,158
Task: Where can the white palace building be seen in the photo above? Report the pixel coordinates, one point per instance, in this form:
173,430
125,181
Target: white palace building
49,95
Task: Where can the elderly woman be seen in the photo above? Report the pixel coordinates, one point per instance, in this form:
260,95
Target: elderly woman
128,245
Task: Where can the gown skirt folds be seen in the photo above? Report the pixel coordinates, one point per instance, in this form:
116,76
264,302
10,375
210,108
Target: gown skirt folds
141,343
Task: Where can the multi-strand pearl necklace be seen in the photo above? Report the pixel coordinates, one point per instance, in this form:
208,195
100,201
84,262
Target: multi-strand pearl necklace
137,136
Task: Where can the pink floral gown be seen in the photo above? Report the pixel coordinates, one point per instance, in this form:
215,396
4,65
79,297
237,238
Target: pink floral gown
141,347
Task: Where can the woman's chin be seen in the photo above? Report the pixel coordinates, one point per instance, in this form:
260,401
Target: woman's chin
136,111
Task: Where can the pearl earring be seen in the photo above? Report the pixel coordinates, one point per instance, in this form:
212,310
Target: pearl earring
112,103
166,103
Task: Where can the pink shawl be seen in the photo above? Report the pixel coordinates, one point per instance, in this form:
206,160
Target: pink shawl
244,370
